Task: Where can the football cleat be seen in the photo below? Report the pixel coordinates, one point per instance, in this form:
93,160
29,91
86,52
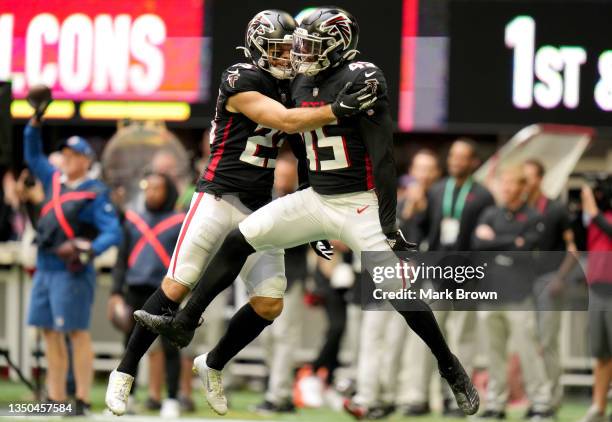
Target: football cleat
213,384
118,392
166,326
461,385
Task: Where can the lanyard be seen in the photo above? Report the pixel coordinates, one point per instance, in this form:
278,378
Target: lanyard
447,204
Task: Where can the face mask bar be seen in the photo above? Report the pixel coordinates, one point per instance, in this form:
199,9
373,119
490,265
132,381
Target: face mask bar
307,54
272,60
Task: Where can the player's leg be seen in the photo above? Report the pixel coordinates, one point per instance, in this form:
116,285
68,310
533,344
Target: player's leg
207,221
286,222
361,231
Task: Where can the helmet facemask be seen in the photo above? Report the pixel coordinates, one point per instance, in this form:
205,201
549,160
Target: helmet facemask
309,52
274,55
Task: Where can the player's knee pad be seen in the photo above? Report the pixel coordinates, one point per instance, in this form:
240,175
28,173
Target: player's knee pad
273,288
267,307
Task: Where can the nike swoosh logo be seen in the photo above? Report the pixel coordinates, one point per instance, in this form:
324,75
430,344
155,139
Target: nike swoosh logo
367,75
345,106
362,209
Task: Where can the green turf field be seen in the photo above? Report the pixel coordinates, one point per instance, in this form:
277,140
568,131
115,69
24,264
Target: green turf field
239,409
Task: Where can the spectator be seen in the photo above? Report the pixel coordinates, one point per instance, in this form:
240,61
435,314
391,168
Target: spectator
599,277
384,334
76,223
512,226
149,237
454,205
551,268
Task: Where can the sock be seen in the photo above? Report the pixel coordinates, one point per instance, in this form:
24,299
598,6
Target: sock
243,328
423,322
173,368
219,275
141,338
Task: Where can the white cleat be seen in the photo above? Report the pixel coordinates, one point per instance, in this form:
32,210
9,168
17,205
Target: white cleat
213,384
170,409
118,391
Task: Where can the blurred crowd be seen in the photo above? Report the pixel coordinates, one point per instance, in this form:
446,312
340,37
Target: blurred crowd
441,207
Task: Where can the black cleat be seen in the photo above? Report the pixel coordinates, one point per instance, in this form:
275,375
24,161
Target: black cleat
267,407
492,415
461,385
419,409
167,326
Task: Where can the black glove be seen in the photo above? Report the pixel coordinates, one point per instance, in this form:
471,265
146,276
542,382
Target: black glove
323,248
348,104
39,97
398,242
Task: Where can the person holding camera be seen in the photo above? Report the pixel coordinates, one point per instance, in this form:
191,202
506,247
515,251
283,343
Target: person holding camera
77,221
597,213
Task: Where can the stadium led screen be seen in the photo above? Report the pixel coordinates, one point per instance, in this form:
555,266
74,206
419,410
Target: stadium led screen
518,62
146,50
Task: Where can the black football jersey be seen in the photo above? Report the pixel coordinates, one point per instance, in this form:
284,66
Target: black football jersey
338,159
356,153
243,153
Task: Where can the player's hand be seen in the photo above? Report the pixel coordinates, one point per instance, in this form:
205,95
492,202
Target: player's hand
323,249
398,242
348,104
39,97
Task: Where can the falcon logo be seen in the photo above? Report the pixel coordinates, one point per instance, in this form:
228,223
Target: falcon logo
232,77
339,25
260,25
372,84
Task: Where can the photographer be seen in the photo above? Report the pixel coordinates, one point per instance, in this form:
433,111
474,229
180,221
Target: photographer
597,212
77,221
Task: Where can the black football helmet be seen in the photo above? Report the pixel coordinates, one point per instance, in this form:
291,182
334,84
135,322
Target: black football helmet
268,41
325,38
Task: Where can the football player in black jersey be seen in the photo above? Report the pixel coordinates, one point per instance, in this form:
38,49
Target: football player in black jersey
352,197
250,124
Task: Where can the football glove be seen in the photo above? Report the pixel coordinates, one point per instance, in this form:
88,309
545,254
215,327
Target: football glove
323,249
398,242
39,97
348,104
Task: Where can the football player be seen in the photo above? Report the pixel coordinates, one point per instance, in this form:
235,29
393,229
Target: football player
352,198
249,127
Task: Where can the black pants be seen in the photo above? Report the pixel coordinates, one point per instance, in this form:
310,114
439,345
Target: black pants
135,297
335,303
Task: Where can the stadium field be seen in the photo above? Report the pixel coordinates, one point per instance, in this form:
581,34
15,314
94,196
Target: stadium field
240,403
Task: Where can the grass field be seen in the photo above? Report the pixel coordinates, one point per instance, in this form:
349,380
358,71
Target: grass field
239,409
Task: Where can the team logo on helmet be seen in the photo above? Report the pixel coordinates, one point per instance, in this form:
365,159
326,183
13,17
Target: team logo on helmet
260,25
339,25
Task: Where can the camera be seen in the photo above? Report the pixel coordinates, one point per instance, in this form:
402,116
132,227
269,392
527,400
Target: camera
602,190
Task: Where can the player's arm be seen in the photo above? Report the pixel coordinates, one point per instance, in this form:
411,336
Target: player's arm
33,153
270,113
106,221
377,133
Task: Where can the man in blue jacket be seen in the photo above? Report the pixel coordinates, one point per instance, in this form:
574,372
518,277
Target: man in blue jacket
76,223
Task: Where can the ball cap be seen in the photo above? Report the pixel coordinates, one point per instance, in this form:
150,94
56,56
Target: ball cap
78,145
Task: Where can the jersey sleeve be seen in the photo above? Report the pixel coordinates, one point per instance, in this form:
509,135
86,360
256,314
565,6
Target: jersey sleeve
365,74
376,128
241,77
